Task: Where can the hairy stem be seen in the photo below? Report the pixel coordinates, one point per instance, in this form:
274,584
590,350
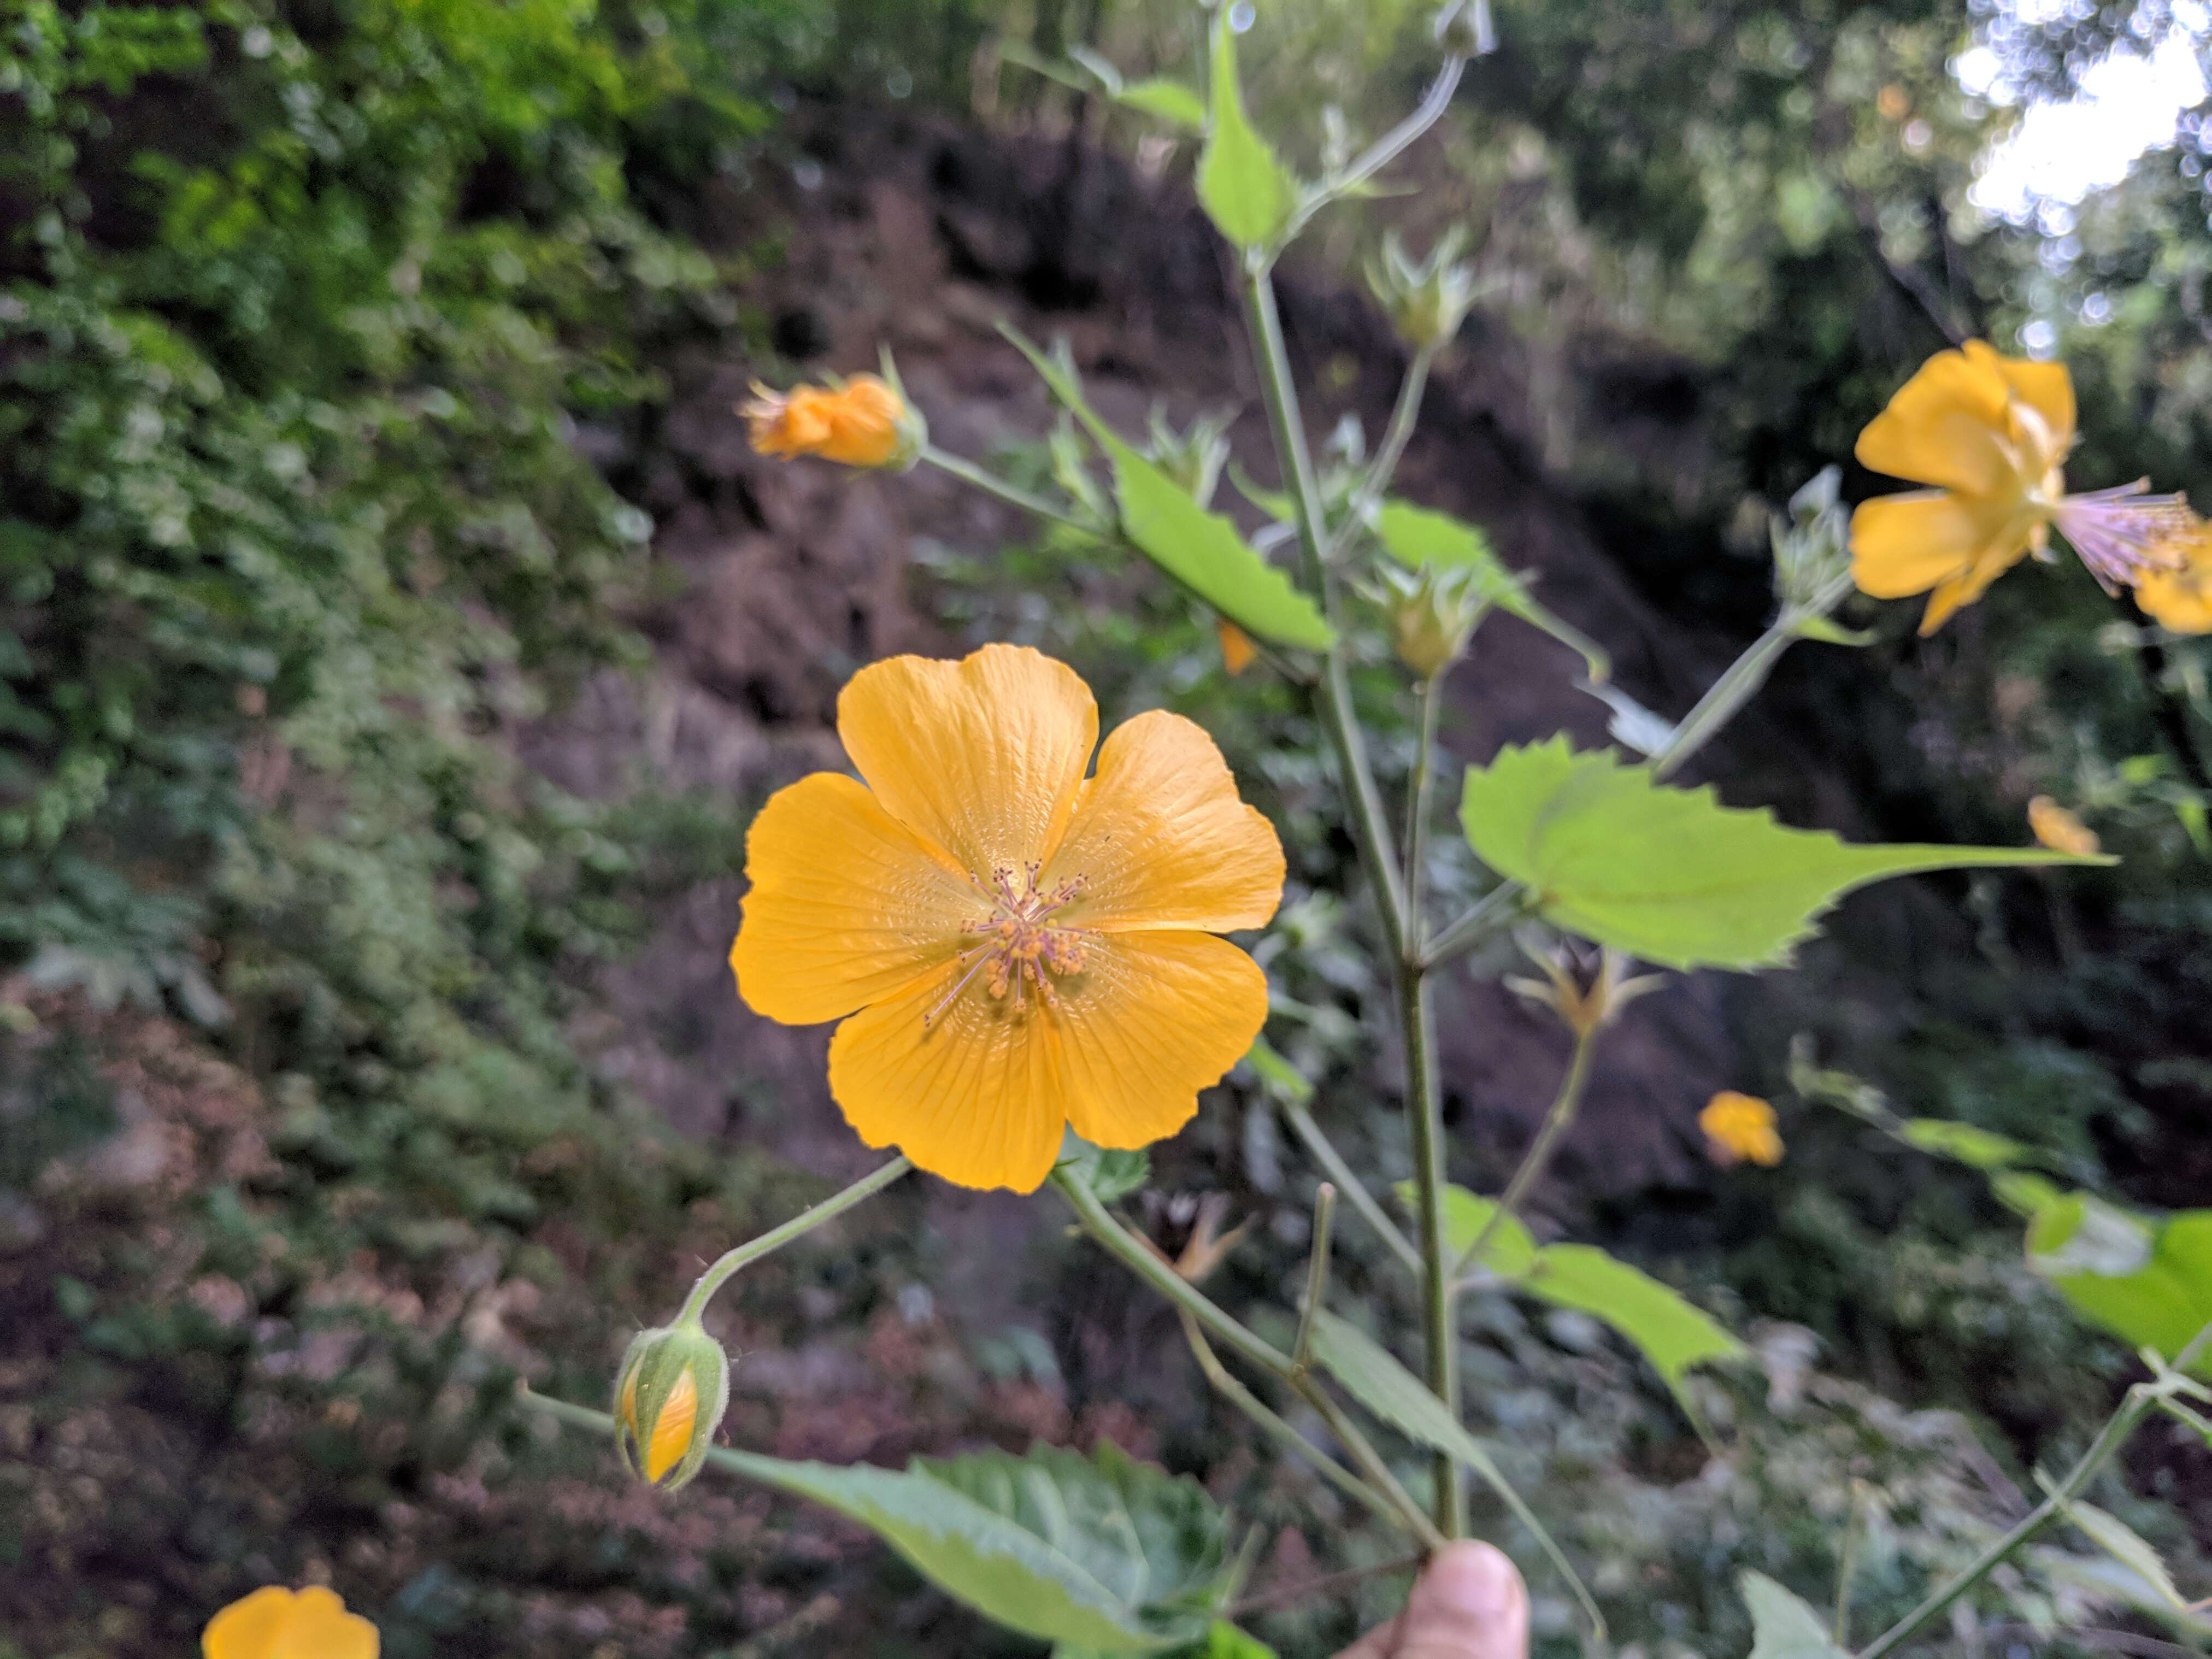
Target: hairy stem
1013,494
1565,1105
1429,698
1439,1329
1325,1153
1316,1276
1736,686
1405,416
1494,912
746,1254
1388,148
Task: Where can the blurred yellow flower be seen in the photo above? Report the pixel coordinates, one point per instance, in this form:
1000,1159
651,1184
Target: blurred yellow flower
1237,651
275,1623
1990,433
865,421
1019,948
2181,600
2059,830
1739,1126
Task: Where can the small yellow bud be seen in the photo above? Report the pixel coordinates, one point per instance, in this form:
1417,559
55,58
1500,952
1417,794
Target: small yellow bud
1237,651
1741,1126
2059,830
863,421
669,1396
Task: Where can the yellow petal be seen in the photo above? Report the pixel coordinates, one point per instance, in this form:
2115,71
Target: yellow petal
248,1629
321,1628
1152,1019
2180,600
1237,651
972,1096
2059,830
1160,840
672,1430
2047,388
1946,426
1905,545
847,905
981,757
1969,585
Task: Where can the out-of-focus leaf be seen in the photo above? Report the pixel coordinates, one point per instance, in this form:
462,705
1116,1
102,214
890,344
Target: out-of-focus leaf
2127,1547
1511,1250
1671,875
1277,1074
1200,550
1418,536
1977,1149
1394,1394
1102,1554
1667,1329
1167,100
1224,1641
1782,1625
1110,1175
1247,191
2147,1281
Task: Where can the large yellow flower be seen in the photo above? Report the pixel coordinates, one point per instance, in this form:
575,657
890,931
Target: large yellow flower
2182,600
1990,433
1020,949
275,1623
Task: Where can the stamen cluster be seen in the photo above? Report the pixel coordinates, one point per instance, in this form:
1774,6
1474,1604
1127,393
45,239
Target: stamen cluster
1018,942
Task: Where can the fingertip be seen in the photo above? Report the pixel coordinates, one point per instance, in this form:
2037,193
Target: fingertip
1472,1582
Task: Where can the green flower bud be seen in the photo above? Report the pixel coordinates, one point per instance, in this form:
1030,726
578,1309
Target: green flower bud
1193,459
1464,29
1432,616
1425,300
1812,548
670,1396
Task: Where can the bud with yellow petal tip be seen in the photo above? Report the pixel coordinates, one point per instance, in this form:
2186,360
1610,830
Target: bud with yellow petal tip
2060,829
669,1396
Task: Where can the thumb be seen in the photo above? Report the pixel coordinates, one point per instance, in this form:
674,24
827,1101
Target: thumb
1470,1604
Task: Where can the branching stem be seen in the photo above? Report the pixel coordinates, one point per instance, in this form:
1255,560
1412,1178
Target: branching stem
1565,1105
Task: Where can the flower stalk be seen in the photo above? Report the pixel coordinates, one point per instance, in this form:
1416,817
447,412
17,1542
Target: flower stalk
732,1263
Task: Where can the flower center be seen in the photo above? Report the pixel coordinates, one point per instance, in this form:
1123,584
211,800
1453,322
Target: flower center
1017,944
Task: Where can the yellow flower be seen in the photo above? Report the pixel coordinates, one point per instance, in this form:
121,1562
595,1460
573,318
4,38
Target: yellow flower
2059,830
2181,600
1018,949
1741,1126
275,1623
1237,651
1990,433
865,421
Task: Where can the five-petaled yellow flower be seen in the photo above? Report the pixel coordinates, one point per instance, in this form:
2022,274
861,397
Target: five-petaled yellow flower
1740,1125
1019,948
1991,434
2059,830
864,421
275,1623
2182,600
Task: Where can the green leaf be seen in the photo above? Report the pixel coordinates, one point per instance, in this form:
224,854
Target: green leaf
1671,875
1511,1251
1111,1176
1666,1328
1418,536
1247,191
1395,1395
1224,1641
2126,1545
2149,1282
1200,549
1782,1625
1102,1554
1827,632
1977,1149
1277,1075
1167,100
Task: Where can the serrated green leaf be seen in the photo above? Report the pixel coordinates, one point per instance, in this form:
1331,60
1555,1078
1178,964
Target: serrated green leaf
1166,100
1110,1175
2127,1547
1199,549
1101,1553
1671,875
1511,1250
1277,1075
1668,1329
1977,1149
1419,535
1247,191
1390,1392
2147,1281
1783,1627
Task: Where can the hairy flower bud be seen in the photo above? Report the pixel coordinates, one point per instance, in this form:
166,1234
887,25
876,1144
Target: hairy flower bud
670,1396
1194,458
1432,614
1812,548
1425,300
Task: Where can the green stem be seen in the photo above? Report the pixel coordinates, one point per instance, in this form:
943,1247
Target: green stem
1405,416
1428,701
1386,150
1316,1277
1439,1330
1362,1452
1564,1104
1225,1383
1325,1153
1098,1221
1736,686
1332,695
1495,911
1013,494
2140,1399
746,1253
